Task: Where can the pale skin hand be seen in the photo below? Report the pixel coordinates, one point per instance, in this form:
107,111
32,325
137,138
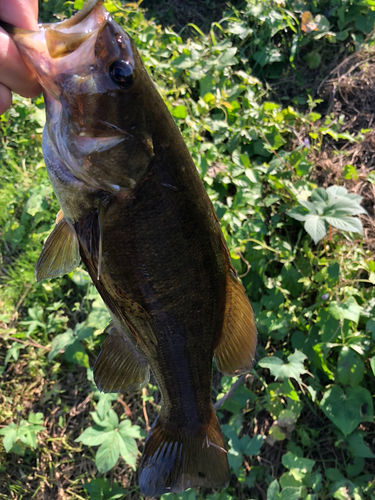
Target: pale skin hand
15,76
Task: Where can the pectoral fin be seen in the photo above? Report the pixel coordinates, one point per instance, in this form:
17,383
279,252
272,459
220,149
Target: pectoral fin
236,349
60,254
119,368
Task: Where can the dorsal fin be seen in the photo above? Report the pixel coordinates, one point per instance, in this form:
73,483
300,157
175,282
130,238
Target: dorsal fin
60,254
236,349
119,368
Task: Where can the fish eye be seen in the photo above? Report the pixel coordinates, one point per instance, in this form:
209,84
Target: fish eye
121,73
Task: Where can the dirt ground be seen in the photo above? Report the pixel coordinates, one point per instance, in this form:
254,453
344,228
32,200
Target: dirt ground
348,92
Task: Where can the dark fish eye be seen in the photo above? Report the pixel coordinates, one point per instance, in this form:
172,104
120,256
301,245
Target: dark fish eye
121,73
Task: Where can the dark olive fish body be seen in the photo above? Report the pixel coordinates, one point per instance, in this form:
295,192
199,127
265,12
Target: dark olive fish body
136,212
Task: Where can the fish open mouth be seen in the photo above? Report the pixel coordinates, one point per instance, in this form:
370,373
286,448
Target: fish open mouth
65,37
60,48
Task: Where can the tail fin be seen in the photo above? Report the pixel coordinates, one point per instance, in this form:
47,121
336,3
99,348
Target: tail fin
174,460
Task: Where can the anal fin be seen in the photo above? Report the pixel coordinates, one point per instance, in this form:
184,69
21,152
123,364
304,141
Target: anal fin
119,368
235,352
60,254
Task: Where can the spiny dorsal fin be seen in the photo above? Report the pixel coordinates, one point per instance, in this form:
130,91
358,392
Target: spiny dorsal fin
119,368
60,254
236,349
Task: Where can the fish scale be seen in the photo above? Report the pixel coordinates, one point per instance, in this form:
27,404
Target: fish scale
135,211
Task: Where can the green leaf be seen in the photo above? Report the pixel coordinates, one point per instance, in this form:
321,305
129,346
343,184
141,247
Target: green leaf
365,24
372,364
345,410
299,213
94,436
315,227
108,453
128,450
311,207
254,447
76,353
293,369
99,489
290,493
226,59
104,404
299,467
358,447
179,112
82,331
313,59
10,437
349,310
273,490
350,368
126,428
346,224
36,418
320,195
61,342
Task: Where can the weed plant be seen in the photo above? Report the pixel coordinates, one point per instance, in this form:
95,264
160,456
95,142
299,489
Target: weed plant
301,425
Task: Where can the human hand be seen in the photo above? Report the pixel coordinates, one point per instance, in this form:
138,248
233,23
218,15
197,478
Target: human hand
14,74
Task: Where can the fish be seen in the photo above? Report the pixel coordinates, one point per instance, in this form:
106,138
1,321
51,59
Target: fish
134,210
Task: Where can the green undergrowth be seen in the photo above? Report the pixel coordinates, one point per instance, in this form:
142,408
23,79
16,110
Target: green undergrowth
301,425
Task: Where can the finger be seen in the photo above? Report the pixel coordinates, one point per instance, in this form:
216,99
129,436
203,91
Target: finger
5,98
14,73
20,13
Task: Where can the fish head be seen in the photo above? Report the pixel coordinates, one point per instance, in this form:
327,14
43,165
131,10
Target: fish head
95,88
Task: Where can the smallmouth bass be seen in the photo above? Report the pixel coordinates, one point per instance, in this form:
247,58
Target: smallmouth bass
135,211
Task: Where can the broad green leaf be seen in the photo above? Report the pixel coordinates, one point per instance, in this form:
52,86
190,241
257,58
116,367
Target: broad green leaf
82,331
316,227
128,449
80,277
179,112
372,364
336,191
290,493
345,489
299,467
36,418
112,418
345,409
311,207
293,369
99,317
94,436
108,453
226,59
358,447
255,445
99,489
365,23
104,405
346,224
273,490
126,428
76,353
350,368
61,342
349,310
320,195
10,437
